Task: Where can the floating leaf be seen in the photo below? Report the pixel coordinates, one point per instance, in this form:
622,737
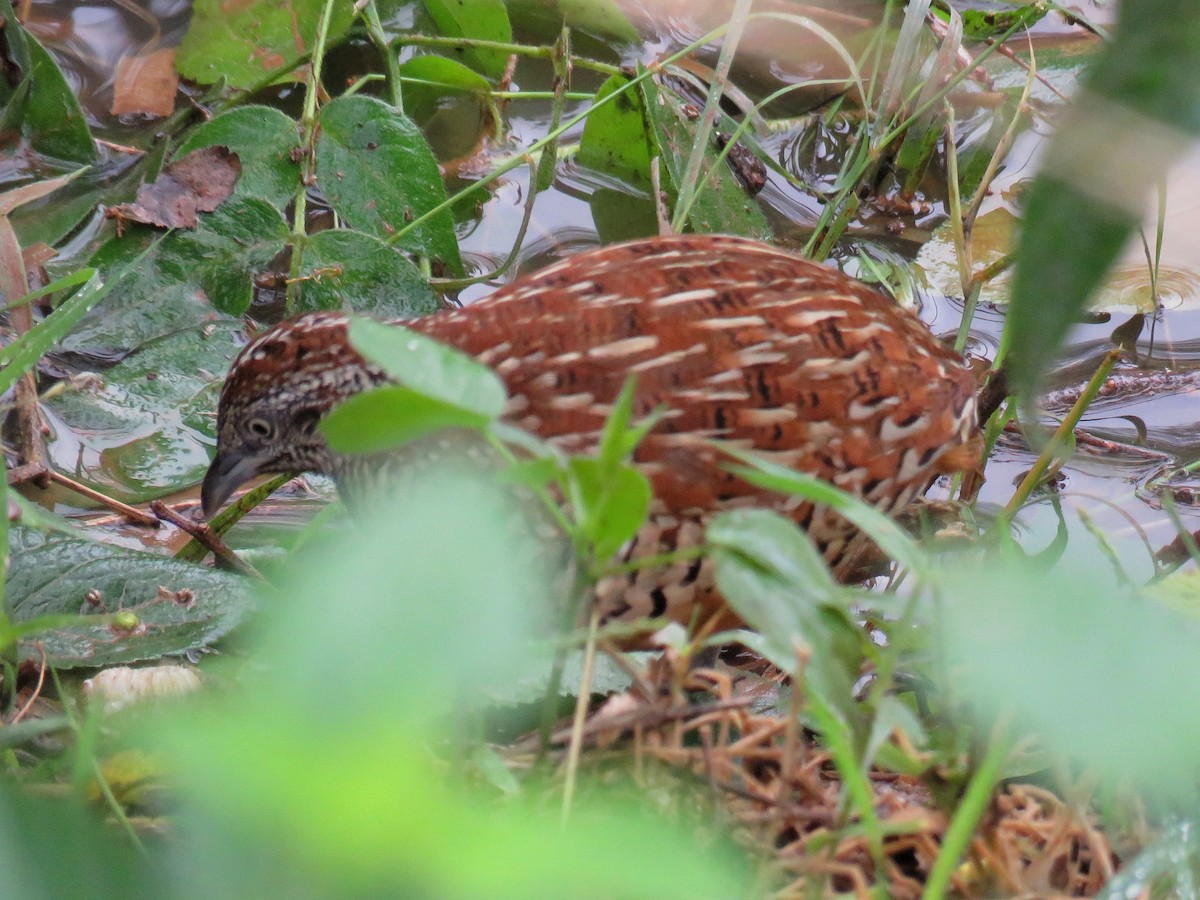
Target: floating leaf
721,204
485,20
194,278
148,429
427,80
242,43
376,169
354,271
616,138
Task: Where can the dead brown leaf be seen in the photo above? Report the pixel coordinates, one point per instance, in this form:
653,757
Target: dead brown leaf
199,182
146,84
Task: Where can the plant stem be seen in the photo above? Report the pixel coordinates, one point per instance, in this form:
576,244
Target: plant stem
970,810
1059,439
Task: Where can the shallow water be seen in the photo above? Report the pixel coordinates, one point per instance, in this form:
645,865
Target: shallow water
1145,424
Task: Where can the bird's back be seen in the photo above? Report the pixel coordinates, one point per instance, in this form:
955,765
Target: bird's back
741,343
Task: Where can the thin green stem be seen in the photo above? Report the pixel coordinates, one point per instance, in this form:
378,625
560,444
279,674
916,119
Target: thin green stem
688,188
308,139
1059,440
548,140
970,811
536,51
391,60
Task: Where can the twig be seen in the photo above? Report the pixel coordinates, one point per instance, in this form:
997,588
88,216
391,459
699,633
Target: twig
37,689
204,535
645,718
35,471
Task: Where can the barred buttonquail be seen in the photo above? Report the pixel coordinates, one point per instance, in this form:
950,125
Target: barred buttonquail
740,341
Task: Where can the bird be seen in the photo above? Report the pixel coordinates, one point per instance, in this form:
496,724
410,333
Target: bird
739,341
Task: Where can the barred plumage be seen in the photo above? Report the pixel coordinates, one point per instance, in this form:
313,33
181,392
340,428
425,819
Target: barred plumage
740,341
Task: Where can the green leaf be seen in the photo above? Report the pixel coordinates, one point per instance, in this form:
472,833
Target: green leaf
390,416
1047,646
148,429
1139,107
619,439
780,551
485,20
23,353
265,140
722,205
190,280
377,171
769,571
882,530
51,846
43,109
601,18
242,43
610,504
427,79
430,368
355,271
980,25
616,138
433,604
52,575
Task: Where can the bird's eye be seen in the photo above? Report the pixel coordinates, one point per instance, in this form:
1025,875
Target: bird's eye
260,428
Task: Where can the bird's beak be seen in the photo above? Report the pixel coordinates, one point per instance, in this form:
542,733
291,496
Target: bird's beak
226,473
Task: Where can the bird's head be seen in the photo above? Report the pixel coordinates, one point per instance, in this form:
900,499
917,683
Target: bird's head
278,389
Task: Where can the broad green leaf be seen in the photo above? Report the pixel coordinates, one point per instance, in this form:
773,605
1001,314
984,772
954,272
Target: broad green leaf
240,44
722,204
427,80
776,547
377,171
1048,647
430,368
53,575
1136,114
433,602
485,20
616,137
602,18
979,25
882,530
194,278
389,416
771,574
265,140
610,504
147,430
355,271
51,846
43,108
